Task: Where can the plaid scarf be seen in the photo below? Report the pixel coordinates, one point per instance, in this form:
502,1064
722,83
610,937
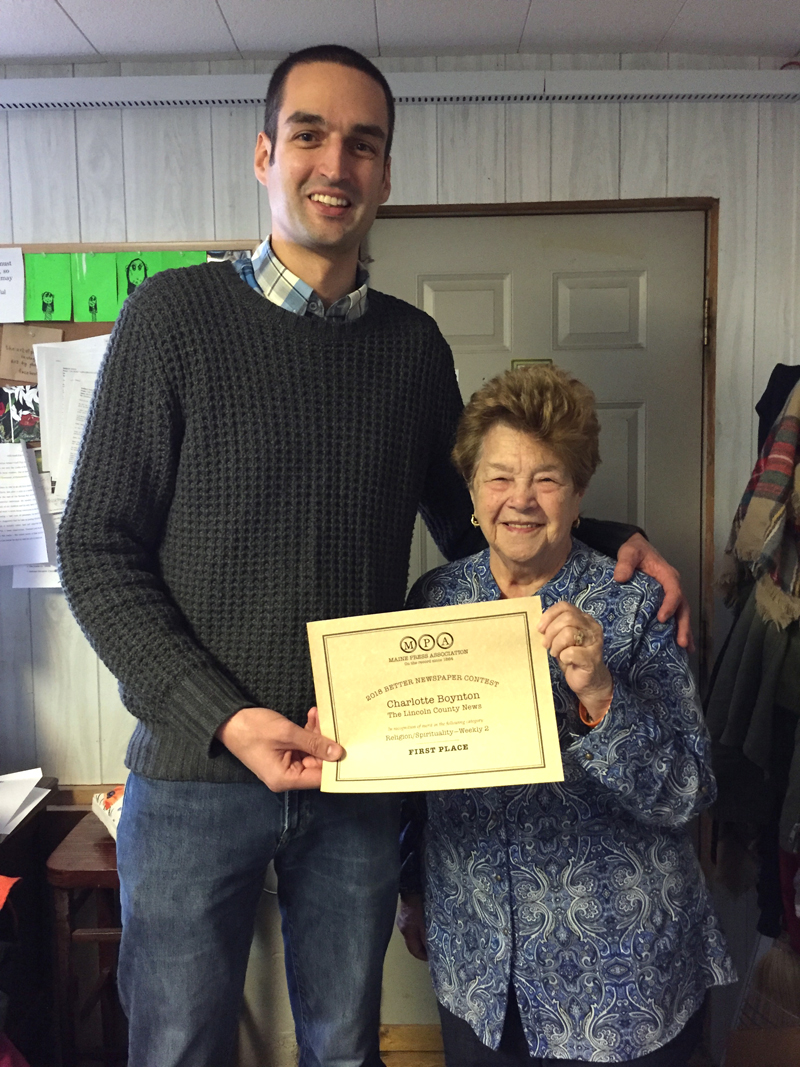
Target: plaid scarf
765,537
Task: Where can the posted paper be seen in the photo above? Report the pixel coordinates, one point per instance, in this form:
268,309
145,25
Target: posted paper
94,286
22,538
135,267
17,364
48,286
61,367
12,285
77,396
439,698
19,414
43,575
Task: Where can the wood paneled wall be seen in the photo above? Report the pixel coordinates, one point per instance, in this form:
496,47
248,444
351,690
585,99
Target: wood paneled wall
186,174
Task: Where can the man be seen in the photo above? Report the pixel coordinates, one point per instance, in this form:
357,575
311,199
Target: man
250,464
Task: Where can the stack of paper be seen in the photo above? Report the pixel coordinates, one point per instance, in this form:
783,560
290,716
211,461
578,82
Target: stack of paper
19,794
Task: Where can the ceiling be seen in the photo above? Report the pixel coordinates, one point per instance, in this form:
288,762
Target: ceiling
87,30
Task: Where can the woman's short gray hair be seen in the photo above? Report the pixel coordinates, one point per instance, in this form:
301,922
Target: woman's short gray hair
543,401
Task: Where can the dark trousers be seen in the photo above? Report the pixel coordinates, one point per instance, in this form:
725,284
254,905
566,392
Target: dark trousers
462,1048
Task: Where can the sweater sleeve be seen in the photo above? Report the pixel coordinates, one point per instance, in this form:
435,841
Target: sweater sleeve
652,749
118,505
445,504
605,536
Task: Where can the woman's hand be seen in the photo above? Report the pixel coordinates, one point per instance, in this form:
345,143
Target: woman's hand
575,640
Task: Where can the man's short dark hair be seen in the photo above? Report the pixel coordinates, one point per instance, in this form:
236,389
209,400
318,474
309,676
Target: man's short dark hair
322,53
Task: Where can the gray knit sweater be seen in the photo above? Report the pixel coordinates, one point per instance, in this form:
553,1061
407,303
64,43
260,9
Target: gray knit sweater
245,470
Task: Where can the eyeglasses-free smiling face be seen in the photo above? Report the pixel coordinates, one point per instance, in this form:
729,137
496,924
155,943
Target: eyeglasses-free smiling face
525,502
326,174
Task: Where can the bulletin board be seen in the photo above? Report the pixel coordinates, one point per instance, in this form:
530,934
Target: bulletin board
72,293
147,254
56,283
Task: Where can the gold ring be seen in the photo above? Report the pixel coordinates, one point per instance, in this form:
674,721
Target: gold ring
579,636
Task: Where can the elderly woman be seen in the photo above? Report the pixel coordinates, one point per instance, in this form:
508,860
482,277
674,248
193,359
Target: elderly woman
569,921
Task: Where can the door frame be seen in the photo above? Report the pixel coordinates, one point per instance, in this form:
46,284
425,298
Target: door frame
710,208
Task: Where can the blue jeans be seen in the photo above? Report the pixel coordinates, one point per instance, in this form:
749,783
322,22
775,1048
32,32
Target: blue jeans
192,858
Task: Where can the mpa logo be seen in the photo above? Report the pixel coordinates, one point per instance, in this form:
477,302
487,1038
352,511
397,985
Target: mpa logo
426,642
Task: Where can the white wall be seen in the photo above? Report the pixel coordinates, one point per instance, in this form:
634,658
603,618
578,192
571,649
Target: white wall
185,174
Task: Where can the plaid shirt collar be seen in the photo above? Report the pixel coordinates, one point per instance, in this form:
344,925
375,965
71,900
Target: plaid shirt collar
266,274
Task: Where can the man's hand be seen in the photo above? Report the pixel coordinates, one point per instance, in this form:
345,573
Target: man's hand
637,554
282,754
411,924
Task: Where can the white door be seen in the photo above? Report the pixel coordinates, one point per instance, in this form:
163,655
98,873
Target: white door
617,299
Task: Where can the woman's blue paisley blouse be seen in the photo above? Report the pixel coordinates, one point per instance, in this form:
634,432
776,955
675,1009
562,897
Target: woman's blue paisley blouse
585,894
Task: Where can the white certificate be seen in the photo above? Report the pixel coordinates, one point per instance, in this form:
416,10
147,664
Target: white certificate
439,698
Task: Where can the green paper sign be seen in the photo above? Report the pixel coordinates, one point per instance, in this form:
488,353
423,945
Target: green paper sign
94,286
181,259
133,268
48,287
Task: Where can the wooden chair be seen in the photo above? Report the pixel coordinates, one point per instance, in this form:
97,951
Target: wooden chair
84,866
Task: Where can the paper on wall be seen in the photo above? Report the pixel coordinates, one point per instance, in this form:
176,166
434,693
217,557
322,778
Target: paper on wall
43,575
94,286
17,364
48,286
22,538
56,364
78,392
19,413
182,258
12,285
36,576
135,267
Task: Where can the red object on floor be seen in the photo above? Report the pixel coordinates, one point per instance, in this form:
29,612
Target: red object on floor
789,863
5,888
9,1057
